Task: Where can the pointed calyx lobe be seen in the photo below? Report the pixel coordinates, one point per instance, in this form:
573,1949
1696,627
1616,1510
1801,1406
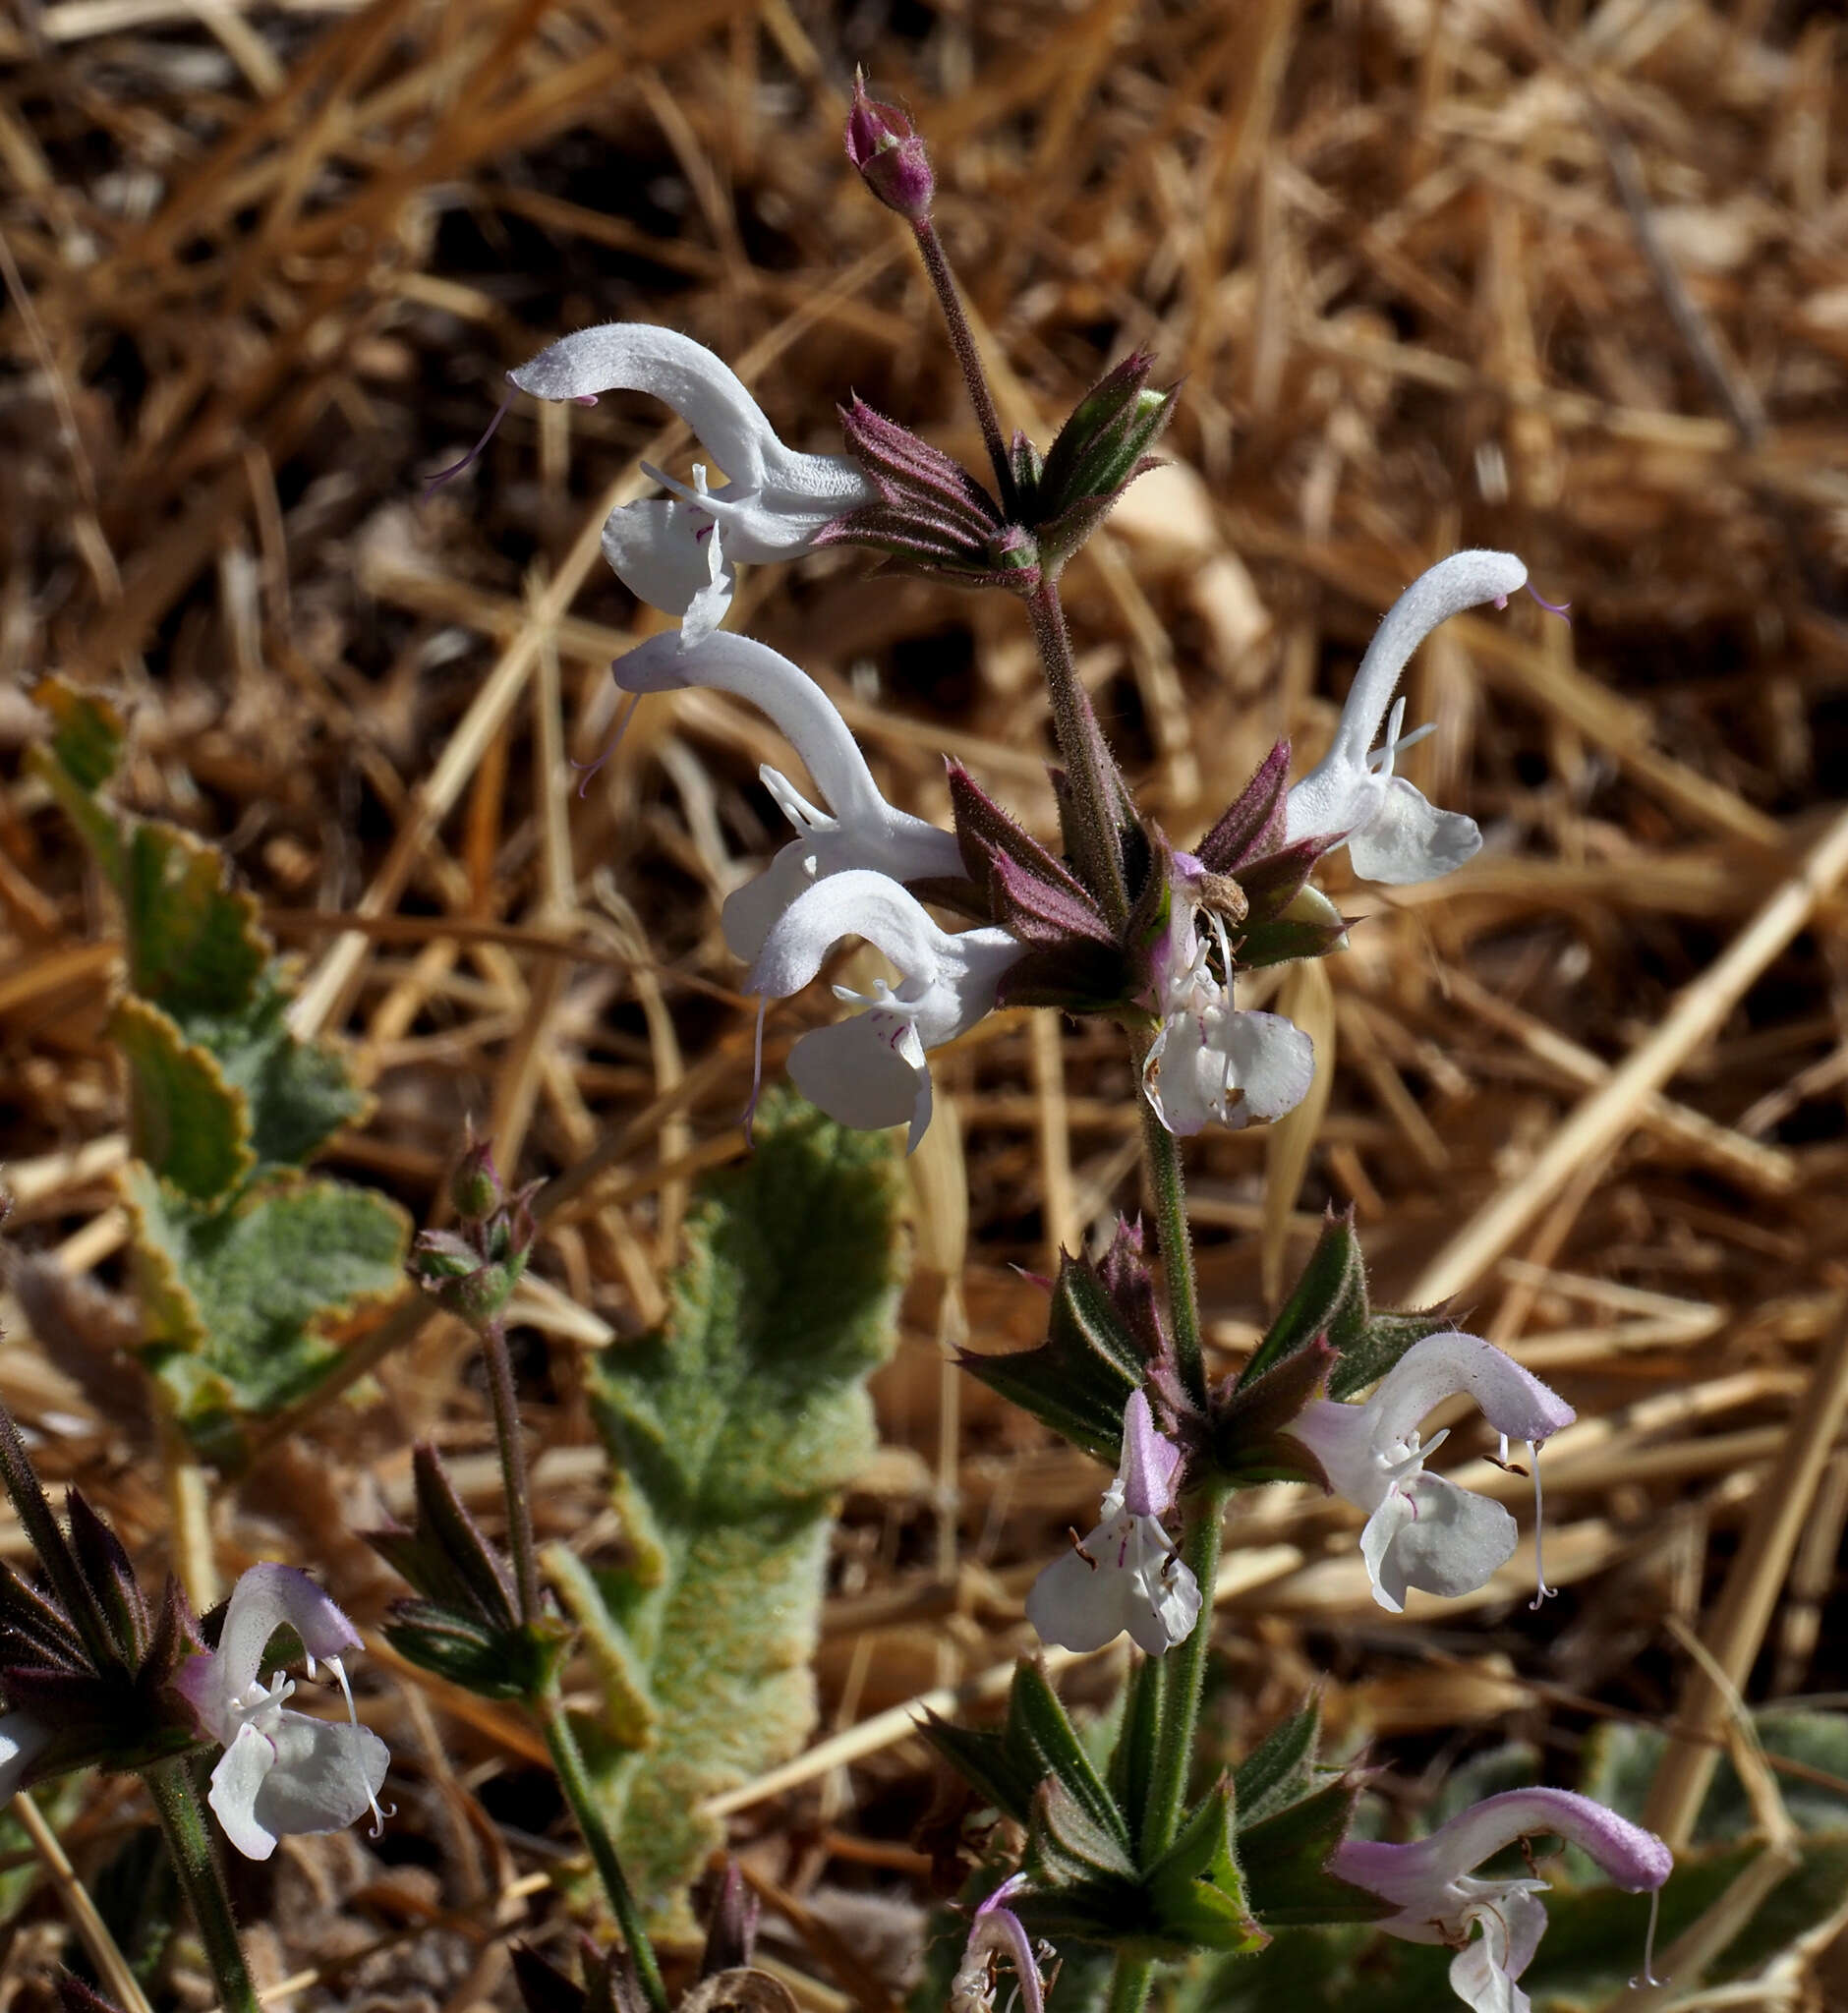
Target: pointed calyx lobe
1284,918
932,515
1072,959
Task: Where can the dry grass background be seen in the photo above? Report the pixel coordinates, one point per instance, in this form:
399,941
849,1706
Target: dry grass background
1436,272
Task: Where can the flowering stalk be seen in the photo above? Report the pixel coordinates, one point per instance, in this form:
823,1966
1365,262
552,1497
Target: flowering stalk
962,341
574,1780
513,1451
1092,784
195,1861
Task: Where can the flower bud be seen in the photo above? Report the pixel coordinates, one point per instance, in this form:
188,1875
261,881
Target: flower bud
888,155
475,1190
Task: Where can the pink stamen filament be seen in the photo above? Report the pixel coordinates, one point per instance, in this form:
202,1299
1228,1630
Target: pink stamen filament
474,454
610,747
1546,1593
1552,607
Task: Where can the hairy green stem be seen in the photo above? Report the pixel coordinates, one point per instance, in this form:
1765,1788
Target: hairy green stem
968,357
573,1779
1130,1982
202,1878
1162,1154
513,1448
1092,786
1182,1680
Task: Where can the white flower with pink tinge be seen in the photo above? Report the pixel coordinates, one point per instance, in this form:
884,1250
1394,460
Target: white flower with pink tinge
1211,1060
281,1771
1441,1901
1125,1575
1392,833
1421,1530
681,554
997,1931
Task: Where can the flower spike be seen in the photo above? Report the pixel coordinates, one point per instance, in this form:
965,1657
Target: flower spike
1393,835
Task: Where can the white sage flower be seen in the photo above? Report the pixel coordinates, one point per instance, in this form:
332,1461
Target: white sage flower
1125,1575
1440,1901
282,1771
1393,835
1211,1060
1421,1530
680,554
870,1071
997,1931
24,1736
859,829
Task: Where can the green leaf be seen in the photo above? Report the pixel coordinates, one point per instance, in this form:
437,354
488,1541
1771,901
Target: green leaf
1288,1852
1194,1889
1138,1734
194,943
1280,1770
1330,1299
733,1428
186,1122
1082,1375
1035,1709
237,1300
299,1093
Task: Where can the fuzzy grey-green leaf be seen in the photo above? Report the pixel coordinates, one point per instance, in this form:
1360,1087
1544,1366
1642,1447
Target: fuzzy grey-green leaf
733,1427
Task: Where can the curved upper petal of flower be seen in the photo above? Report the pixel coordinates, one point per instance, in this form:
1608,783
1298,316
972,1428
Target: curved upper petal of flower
871,1070
1439,1901
774,504
1423,1532
860,829
266,1597
1394,835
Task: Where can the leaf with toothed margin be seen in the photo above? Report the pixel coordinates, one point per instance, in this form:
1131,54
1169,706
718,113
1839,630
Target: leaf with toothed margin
733,1428
1196,1891
1082,1375
1281,1769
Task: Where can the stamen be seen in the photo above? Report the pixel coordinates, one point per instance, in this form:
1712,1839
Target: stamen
611,746
757,1069
1552,607
1648,1977
1546,1592
474,454
353,1719
1077,1546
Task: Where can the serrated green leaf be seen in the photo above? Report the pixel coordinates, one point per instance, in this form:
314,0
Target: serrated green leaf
237,1300
733,1428
1082,1375
185,1120
194,943
87,732
299,1093
1194,1889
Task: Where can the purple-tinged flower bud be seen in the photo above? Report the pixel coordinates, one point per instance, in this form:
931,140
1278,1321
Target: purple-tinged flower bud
475,1190
884,147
